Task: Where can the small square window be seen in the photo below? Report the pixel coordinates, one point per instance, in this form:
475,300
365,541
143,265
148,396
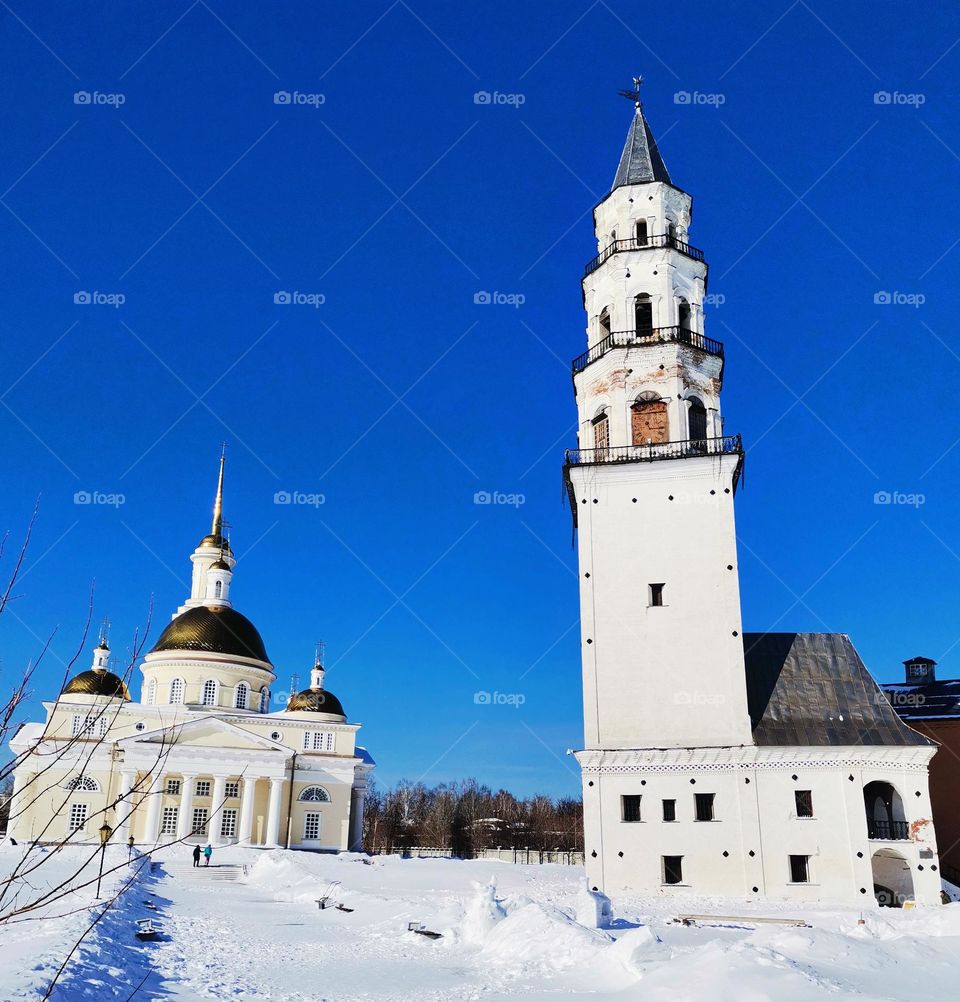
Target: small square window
231,791
672,869
704,803
203,787
799,869
669,810
656,594
630,806
804,802
173,787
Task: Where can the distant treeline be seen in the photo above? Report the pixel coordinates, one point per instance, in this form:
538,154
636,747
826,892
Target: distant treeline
466,817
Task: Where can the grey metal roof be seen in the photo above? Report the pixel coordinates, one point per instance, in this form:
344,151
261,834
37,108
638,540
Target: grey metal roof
925,701
813,689
640,161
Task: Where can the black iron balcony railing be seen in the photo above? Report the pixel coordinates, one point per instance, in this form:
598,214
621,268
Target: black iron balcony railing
653,451
897,831
642,243
655,335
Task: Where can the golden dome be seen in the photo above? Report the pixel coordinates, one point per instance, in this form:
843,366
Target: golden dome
97,683
316,701
219,565
217,541
215,629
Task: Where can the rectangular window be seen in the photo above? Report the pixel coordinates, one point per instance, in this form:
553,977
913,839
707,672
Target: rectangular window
78,816
318,741
83,726
656,594
173,787
804,801
228,826
669,810
199,821
168,820
630,807
311,826
704,803
203,787
102,726
231,791
672,869
799,870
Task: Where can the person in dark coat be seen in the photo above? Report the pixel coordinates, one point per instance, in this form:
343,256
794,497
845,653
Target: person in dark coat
196,855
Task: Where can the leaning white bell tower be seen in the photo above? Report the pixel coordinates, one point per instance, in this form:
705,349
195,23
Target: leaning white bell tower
652,481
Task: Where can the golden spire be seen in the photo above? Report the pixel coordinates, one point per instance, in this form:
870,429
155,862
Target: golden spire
217,528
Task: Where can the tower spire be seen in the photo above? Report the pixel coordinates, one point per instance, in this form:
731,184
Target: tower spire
216,529
640,161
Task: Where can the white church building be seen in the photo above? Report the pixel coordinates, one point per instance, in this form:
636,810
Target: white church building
751,766
200,757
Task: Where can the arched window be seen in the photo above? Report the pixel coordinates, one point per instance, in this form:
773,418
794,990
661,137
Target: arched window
648,420
209,693
671,231
601,434
643,315
683,314
641,232
315,795
697,420
243,691
218,589
151,692
176,690
603,322
83,783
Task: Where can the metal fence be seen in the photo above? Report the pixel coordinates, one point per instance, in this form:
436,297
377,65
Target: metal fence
505,855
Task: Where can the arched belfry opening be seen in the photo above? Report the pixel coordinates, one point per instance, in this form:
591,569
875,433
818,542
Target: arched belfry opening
885,815
648,420
696,420
643,315
601,434
640,233
603,322
683,315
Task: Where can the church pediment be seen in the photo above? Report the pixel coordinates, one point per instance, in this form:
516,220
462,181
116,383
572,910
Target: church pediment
209,732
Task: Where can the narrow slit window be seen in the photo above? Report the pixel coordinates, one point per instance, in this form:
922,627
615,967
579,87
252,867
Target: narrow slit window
656,594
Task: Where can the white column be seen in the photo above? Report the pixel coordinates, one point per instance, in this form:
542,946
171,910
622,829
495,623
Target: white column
273,814
128,780
355,839
216,807
246,809
21,781
185,818
153,796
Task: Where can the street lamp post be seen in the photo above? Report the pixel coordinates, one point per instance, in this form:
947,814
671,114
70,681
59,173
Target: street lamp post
130,844
105,832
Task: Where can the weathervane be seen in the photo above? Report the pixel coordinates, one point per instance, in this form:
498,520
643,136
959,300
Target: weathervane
633,95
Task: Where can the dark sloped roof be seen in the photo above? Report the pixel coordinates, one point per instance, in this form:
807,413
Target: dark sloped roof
813,689
316,701
930,700
217,629
640,161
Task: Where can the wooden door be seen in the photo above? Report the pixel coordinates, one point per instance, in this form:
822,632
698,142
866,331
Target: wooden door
649,422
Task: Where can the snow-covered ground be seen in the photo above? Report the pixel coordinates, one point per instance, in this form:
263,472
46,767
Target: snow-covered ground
507,931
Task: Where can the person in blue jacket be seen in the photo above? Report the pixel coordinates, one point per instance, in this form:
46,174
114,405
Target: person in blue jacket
207,853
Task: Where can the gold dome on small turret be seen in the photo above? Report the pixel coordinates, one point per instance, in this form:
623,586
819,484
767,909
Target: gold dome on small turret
97,682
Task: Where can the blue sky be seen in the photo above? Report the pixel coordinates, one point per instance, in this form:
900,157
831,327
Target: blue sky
182,187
